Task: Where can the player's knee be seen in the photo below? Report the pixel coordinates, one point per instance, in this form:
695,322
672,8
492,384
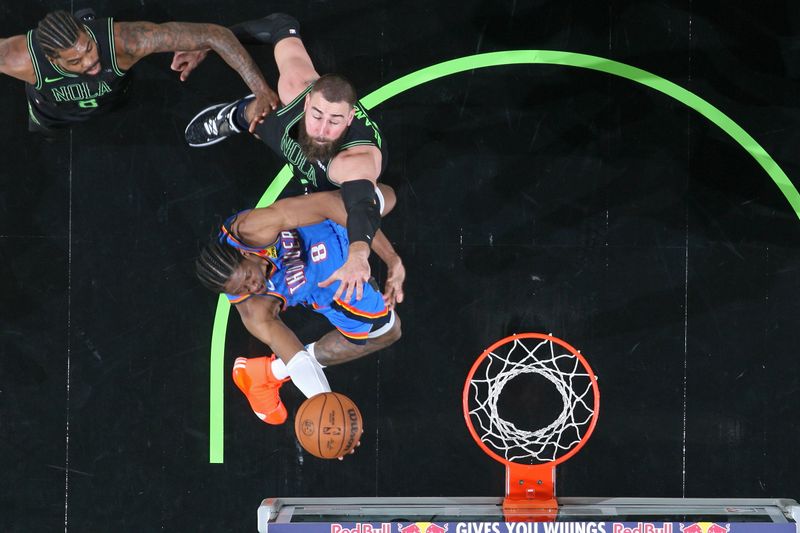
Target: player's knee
282,25
394,333
270,29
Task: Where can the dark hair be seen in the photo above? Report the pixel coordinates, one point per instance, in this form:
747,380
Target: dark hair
58,30
335,88
216,264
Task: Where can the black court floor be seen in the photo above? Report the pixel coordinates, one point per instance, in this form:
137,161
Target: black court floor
649,219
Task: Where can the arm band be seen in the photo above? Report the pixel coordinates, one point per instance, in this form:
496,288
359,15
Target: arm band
268,30
361,204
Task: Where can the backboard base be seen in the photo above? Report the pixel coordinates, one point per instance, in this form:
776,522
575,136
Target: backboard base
593,515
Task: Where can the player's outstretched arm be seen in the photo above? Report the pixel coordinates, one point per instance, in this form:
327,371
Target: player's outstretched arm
264,30
261,226
260,316
363,223
395,273
15,61
356,271
135,40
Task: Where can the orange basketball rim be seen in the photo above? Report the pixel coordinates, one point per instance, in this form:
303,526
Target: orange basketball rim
530,455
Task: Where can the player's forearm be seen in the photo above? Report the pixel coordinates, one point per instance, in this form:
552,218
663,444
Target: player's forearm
277,335
139,39
15,60
262,225
224,43
358,251
384,249
5,49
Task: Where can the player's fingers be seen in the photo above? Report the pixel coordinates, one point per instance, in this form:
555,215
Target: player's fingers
359,289
253,124
339,290
348,295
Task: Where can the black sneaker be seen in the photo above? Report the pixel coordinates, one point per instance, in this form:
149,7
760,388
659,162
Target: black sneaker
212,125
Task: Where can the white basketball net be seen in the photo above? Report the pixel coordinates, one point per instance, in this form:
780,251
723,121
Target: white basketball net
550,361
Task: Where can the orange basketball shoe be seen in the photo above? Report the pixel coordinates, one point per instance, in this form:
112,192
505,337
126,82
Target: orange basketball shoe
254,378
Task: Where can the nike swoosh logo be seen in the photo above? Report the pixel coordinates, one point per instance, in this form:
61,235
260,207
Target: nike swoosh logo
51,80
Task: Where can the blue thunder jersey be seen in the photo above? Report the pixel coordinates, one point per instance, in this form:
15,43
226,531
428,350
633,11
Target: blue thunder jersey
303,257
279,132
60,96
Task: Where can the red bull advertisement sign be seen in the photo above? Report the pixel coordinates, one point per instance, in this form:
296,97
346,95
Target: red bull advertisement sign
534,527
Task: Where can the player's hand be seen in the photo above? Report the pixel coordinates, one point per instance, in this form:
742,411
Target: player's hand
393,288
265,103
186,62
352,274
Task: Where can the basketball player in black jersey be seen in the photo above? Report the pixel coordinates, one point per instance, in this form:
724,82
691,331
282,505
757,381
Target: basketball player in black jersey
321,130
75,68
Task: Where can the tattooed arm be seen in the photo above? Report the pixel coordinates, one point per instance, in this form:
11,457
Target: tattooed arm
135,40
15,61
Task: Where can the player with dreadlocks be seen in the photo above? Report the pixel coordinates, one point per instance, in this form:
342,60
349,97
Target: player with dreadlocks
74,68
271,258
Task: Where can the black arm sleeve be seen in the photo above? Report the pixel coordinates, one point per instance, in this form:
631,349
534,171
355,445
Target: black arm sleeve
363,213
267,30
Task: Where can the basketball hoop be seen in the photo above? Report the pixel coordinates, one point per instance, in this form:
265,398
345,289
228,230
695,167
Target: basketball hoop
531,454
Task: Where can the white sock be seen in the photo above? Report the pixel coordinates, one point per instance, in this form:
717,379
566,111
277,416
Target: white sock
307,375
279,369
310,349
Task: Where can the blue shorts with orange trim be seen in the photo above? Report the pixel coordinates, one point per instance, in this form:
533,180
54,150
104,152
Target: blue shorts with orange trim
354,319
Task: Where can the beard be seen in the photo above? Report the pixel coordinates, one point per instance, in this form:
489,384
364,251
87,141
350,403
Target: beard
316,151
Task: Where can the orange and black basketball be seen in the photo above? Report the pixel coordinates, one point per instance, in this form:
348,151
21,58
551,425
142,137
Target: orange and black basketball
328,425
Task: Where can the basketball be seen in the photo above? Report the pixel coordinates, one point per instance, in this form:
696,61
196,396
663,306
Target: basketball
328,425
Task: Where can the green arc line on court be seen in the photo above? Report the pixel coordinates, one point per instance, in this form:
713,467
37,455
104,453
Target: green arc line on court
455,66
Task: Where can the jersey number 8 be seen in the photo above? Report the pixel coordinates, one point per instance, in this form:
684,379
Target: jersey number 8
319,252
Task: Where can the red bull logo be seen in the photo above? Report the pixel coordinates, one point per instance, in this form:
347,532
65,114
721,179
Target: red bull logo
422,527
385,527
644,527
705,527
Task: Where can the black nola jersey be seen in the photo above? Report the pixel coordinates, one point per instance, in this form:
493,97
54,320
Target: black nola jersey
279,132
59,94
